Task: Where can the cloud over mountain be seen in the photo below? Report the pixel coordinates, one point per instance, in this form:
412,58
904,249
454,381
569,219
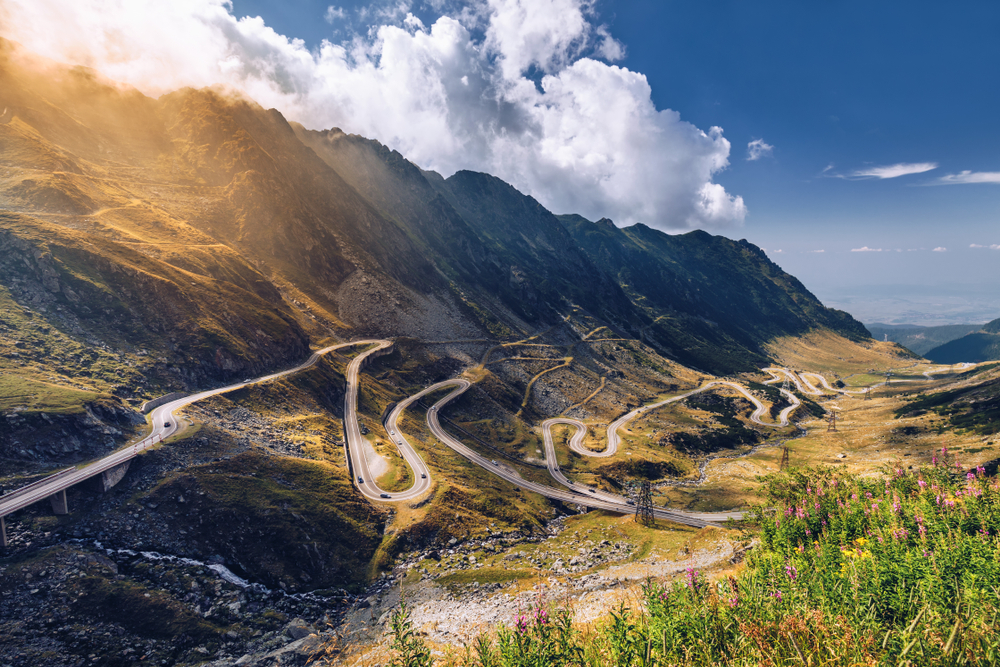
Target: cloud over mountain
523,89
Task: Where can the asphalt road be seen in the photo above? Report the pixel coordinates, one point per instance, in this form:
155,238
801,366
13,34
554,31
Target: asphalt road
614,440
164,424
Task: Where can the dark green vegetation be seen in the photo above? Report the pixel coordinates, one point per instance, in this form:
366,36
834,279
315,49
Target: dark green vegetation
918,339
733,433
974,407
974,347
902,570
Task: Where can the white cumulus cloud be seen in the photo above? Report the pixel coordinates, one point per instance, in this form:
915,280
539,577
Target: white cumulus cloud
965,177
940,249
866,249
757,149
524,89
894,170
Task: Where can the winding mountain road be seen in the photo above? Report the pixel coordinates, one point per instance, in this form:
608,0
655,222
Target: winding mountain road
165,424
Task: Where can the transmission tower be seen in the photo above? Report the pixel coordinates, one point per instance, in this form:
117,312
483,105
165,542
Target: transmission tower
644,505
832,422
784,458
888,377
868,393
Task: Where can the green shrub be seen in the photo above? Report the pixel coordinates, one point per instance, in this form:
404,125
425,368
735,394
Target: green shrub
899,570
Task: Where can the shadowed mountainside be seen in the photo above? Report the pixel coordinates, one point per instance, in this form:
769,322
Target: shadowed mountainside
981,345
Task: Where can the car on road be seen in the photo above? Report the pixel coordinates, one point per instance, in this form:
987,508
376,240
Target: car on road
384,495
361,480
392,433
495,462
248,380
423,475
166,424
630,502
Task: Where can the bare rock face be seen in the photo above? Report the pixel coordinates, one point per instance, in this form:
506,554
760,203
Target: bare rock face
97,429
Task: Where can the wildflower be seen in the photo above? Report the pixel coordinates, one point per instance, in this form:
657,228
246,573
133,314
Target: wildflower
791,572
934,460
922,484
776,594
980,471
970,475
693,580
734,587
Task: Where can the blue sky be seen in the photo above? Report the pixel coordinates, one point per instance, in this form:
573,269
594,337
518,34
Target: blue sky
868,116
836,88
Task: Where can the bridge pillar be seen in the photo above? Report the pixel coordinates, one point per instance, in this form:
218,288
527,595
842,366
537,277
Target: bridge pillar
102,483
59,503
3,534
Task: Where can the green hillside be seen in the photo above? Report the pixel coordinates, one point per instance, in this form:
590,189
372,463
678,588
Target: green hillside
973,347
920,340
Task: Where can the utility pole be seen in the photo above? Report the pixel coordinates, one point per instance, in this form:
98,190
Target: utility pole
868,393
888,377
644,504
784,458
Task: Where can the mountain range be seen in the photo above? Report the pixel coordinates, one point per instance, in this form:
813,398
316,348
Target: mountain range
204,236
